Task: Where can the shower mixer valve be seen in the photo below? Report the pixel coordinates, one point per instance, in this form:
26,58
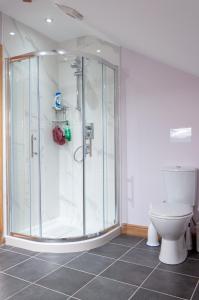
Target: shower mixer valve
89,136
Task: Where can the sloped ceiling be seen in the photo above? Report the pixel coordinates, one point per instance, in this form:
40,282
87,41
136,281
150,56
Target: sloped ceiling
166,30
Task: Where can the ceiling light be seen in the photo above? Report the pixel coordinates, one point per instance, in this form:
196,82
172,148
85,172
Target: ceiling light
98,50
43,53
12,33
61,52
49,20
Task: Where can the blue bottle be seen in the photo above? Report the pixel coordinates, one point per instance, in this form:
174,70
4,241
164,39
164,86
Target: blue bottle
57,101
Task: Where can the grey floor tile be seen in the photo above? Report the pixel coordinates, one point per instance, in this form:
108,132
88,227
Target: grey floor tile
142,294
91,263
105,289
143,245
38,293
9,259
128,273
23,251
9,286
110,250
6,247
189,267
32,269
196,294
58,258
143,257
126,240
66,280
171,283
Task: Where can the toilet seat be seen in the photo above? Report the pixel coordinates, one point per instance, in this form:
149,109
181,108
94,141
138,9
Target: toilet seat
171,210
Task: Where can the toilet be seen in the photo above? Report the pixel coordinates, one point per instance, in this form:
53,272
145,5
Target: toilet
171,217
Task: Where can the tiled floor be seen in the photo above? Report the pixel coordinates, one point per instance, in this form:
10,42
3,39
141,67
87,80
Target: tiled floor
125,269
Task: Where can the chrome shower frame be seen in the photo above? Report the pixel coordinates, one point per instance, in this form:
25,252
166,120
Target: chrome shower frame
83,55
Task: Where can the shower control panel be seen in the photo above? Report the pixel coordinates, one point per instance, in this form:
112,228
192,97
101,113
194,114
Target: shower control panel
89,136
89,131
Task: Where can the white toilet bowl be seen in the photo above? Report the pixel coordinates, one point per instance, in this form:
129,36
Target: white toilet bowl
171,221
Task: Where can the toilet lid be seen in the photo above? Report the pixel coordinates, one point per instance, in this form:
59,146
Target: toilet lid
171,210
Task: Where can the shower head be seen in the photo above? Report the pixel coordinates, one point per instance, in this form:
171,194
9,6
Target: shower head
76,63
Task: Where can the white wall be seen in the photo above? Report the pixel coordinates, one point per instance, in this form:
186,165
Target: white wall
154,98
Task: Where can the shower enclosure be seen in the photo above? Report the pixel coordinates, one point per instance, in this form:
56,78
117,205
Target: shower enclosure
62,192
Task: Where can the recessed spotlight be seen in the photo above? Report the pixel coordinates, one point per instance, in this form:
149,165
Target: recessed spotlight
42,52
49,20
12,33
61,52
98,50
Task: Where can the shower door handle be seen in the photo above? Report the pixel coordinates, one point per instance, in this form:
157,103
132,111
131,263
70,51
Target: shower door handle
33,138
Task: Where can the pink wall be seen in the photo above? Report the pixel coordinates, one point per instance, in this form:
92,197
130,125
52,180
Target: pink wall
154,98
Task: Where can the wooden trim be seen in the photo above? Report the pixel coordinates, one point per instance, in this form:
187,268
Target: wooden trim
1,144
136,230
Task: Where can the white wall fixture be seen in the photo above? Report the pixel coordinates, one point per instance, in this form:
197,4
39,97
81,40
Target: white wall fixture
181,135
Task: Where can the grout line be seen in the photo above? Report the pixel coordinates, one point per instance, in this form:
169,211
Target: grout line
12,251
143,282
49,289
17,292
139,264
82,253
46,261
60,266
102,255
192,276
148,250
10,247
112,243
102,271
158,292
197,285
112,279
35,282
81,271
16,264
17,277
73,297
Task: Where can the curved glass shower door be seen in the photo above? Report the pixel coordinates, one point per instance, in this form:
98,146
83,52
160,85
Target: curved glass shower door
99,139
25,169
62,190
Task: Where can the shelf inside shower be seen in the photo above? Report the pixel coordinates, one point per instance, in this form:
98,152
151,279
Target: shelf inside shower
59,121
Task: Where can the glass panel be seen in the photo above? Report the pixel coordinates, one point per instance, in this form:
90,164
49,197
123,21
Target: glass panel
61,174
93,132
24,165
35,153
109,145
55,193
